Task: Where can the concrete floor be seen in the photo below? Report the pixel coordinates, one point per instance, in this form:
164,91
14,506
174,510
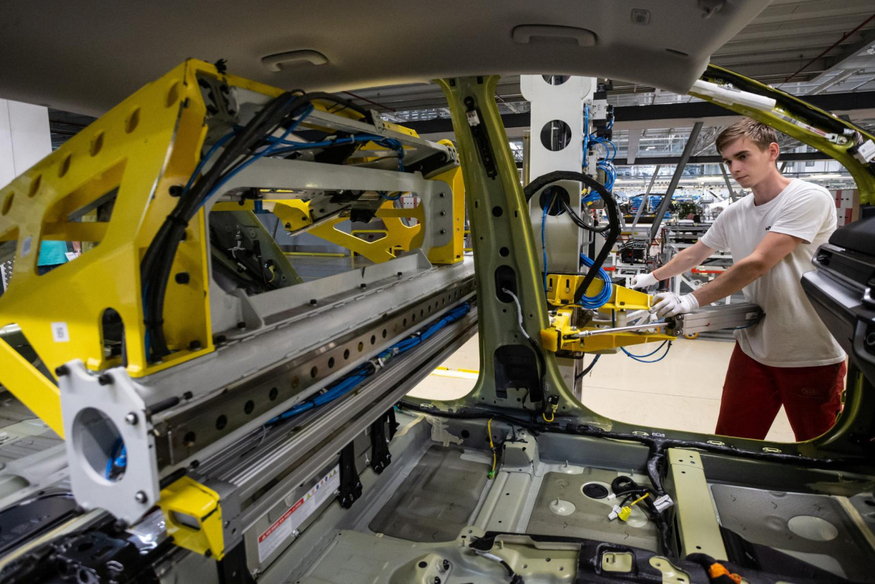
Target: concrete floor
681,392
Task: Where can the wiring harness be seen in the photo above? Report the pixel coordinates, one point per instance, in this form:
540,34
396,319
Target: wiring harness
239,149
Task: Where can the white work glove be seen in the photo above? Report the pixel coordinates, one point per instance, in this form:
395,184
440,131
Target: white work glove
642,281
671,304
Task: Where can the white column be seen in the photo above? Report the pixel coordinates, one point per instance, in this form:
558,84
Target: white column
24,137
557,103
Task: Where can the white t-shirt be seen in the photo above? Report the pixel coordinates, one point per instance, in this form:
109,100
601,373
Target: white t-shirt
791,334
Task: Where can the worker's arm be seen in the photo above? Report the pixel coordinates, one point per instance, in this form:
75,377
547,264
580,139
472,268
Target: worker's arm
772,249
684,261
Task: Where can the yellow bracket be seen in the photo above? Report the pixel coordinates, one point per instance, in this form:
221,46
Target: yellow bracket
294,213
193,517
453,251
561,289
398,235
558,336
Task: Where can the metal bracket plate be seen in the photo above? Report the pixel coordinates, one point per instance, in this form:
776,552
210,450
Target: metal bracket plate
93,434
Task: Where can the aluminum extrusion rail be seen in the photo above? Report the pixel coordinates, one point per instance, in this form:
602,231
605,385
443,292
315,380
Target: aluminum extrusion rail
284,456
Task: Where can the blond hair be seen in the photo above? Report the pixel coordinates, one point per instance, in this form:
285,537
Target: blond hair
759,134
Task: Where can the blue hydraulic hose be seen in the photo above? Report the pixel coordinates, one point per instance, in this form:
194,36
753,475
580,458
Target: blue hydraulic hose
197,171
118,458
600,299
361,373
544,245
259,155
544,237
640,358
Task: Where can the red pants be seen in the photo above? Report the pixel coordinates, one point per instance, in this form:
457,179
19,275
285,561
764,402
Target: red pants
753,394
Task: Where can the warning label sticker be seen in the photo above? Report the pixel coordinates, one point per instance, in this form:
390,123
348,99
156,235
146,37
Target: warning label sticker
281,530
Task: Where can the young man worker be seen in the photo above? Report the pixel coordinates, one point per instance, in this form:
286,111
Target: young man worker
789,358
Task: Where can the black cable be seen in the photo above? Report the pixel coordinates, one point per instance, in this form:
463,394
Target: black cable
656,456
624,485
346,103
158,261
583,373
580,222
610,205
531,425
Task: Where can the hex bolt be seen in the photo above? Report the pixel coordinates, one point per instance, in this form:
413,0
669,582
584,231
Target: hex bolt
104,379
141,497
446,565
437,580
132,418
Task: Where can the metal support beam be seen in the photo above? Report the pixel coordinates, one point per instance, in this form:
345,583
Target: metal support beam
646,196
732,194
858,105
632,149
678,171
715,159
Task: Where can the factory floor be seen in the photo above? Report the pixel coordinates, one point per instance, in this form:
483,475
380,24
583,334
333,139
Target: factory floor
681,392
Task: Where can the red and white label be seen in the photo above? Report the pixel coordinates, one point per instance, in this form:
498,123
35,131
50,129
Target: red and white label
281,530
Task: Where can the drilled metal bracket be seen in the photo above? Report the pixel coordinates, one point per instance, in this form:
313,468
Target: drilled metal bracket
102,413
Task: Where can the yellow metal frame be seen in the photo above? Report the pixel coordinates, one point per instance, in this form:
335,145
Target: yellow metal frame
556,337
142,147
398,235
453,251
139,150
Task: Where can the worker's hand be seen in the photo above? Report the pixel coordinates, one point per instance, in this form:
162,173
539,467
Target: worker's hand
671,304
642,281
